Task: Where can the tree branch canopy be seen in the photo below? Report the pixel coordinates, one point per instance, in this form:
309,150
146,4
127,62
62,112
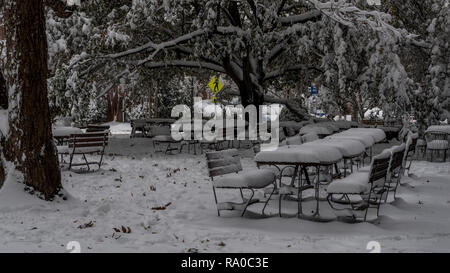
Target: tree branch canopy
60,7
188,64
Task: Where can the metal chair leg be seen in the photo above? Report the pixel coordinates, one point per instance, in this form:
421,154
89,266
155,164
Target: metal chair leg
248,202
268,199
215,199
87,162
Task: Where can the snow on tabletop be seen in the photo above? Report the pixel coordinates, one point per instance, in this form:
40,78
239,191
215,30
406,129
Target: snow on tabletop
315,129
65,131
325,153
348,147
247,178
378,134
300,154
287,154
365,140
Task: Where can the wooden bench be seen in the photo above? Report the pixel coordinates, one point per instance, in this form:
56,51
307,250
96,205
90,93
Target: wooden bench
85,144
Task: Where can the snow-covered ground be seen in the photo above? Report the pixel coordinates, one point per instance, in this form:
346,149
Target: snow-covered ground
165,204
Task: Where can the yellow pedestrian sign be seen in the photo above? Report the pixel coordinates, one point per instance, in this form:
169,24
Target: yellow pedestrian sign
216,86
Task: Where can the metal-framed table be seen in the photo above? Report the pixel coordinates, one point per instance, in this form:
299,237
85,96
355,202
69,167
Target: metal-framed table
368,141
300,157
349,148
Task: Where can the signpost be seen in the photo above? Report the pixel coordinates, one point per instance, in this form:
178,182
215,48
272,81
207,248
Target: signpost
313,90
216,86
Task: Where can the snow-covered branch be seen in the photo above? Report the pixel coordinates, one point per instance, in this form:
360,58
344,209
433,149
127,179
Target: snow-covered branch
301,18
158,47
279,72
181,63
60,7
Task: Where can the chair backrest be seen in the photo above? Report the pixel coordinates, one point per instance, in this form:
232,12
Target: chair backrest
89,140
223,162
380,167
436,135
398,154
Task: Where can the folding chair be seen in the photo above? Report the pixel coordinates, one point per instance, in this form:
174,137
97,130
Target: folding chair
162,135
225,168
396,170
411,144
437,142
368,186
85,144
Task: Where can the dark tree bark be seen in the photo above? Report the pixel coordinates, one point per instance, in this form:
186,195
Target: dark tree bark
29,143
3,92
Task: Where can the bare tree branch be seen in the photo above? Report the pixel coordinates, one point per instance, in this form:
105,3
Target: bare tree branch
301,18
181,63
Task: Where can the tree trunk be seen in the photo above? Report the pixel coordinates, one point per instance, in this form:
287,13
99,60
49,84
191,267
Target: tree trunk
3,92
29,143
3,106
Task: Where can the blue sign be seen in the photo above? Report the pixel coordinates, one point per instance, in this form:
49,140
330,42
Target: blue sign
313,90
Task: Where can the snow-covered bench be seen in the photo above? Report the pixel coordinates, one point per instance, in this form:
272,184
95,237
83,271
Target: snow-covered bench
361,190
85,144
225,171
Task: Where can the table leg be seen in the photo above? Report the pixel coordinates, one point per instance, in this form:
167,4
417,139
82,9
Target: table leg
316,217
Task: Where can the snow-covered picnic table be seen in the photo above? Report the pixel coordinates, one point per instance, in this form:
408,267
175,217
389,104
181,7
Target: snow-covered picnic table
65,131
439,128
366,141
319,130
62,133
378,134
300,157
349,148
367,136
